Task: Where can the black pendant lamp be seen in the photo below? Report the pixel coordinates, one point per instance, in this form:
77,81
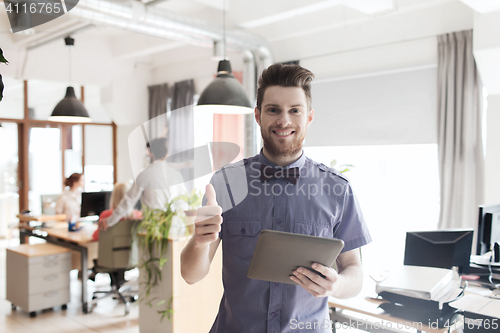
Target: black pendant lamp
70,109
224,94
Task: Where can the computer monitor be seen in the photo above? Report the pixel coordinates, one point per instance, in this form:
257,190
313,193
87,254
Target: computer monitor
488,229
93,203
440,248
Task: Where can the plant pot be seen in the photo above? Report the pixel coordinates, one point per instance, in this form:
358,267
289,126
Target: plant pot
199,301
149,319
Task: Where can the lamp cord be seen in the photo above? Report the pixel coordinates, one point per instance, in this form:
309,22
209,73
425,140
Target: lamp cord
69,64
224,27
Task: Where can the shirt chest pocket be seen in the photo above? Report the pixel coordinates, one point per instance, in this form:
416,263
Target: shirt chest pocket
313,229
241,237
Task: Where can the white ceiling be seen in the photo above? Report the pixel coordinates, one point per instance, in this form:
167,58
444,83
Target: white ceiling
273,20
281,22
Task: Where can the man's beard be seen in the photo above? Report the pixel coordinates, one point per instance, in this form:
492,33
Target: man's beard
290,149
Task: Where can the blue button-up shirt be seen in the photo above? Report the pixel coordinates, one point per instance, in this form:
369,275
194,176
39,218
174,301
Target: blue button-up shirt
320,204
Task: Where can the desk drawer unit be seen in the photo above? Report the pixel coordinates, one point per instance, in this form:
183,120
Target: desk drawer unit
38,276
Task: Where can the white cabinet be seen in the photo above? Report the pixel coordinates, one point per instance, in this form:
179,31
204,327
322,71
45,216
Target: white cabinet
38,276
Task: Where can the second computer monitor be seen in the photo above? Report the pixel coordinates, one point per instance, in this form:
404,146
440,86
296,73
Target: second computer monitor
93,203
440,248
488,232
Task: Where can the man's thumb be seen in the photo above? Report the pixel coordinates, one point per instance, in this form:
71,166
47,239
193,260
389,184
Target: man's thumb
210,195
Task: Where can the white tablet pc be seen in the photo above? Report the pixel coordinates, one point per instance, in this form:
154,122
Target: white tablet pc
277,254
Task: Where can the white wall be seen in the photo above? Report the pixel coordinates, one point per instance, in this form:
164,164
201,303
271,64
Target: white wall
403,54
391,28
124,168
386,109
492,165
487,49
126,100
191,63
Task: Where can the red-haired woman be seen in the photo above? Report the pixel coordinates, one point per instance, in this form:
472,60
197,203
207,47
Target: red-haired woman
70,201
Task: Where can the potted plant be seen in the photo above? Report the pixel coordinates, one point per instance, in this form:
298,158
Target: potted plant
193,201
152,236
342,168
2,60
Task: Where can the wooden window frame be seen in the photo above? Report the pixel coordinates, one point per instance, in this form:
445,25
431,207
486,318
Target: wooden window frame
24,126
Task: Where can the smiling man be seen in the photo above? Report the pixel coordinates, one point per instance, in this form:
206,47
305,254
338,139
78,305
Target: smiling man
288,192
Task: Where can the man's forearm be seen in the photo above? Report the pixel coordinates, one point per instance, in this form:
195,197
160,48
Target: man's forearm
195,261
349,283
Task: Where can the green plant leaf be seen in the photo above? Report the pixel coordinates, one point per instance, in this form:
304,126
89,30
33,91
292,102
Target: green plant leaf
152,236
2,58
1,87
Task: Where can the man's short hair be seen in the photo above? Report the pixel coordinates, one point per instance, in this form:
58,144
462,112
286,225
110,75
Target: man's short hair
158,147
285,76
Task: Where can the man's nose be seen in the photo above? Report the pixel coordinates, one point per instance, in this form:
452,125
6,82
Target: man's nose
284,119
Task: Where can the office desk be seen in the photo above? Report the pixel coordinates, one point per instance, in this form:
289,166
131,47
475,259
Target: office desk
75,240
365,304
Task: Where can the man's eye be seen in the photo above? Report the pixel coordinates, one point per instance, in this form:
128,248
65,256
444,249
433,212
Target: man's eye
295,110
272,110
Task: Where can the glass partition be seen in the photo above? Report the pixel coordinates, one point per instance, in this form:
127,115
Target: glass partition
73,150
45,166
12,105
98,158
9,198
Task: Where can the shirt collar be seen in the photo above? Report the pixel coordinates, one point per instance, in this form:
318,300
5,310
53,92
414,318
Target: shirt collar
298,163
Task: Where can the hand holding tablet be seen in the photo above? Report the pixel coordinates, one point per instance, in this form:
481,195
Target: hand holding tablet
278,254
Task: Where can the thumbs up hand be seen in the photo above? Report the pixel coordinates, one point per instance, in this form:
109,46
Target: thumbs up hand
208,219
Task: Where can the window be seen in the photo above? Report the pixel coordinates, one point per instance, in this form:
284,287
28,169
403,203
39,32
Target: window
398,190
47,152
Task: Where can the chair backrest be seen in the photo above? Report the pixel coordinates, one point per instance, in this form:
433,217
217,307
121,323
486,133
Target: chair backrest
115,246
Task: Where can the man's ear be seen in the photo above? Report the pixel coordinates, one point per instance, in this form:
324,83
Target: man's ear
257,115
310,117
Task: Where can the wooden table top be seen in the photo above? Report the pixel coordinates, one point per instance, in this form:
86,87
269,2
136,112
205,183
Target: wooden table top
60,230
41,218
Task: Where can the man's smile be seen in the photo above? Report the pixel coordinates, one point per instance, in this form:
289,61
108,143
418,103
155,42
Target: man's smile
283,133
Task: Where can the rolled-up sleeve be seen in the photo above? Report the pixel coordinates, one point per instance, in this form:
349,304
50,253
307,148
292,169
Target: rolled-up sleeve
126,204
351,226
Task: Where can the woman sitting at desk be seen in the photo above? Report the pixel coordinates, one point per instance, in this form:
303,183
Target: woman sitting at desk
70,202
119,192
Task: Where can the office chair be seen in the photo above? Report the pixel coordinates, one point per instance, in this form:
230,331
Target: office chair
114,258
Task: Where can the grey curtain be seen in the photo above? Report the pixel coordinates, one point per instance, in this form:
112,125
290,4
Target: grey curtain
157,108
460,145
181,128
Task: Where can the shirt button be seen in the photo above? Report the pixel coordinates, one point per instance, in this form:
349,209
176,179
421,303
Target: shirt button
278,221
242,231
276,284
273,314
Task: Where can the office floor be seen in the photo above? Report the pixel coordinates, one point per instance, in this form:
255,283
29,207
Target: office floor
108,316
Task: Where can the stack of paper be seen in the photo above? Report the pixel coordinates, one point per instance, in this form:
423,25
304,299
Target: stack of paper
416,281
